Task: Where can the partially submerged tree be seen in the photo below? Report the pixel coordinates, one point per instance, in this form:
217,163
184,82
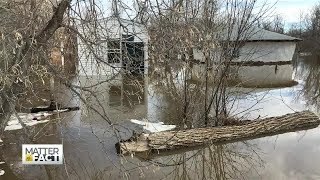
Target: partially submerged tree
200,38
26,30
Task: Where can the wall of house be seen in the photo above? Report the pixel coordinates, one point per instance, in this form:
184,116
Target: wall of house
259,51
267,51
89,64
265,76
261,75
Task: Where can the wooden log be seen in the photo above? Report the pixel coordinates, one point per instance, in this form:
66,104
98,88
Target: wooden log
52,107
169,140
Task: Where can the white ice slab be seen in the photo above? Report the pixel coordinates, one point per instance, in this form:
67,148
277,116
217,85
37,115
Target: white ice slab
28,119
153,127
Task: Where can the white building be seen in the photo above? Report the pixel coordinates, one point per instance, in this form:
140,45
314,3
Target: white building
264,60
107,51
112,47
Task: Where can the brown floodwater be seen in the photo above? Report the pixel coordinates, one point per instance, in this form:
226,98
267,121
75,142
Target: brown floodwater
89,140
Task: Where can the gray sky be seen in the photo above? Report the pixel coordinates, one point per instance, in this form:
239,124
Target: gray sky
290,9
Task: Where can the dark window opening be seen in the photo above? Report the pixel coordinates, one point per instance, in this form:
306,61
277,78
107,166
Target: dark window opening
133,57
113,57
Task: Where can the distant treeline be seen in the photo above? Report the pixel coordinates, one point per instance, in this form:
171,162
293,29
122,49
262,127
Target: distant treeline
308,29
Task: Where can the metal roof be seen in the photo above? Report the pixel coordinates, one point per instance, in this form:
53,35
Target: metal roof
257,34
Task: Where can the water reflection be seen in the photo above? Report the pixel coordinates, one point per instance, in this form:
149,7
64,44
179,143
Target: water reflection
180,102
231,161
254,76
309,72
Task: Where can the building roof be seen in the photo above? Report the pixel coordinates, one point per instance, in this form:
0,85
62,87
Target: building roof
253,34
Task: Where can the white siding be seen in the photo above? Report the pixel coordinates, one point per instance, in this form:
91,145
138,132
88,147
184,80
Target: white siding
259,51
258,75
108,29
267,51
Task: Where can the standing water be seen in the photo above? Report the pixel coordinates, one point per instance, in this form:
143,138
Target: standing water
89,139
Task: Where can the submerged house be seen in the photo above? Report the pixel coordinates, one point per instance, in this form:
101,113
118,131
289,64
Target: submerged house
119,46
263,60
108,51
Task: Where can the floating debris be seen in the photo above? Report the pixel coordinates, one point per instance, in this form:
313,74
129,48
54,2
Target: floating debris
29,119
32,119
153,127
53,107
2,172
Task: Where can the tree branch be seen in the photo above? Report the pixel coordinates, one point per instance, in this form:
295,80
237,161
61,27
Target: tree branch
54,23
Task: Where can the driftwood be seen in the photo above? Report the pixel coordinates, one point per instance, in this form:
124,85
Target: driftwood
52,107
169,140
43,109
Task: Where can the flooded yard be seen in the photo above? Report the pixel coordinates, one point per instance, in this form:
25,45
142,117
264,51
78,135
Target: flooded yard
89,140
165,89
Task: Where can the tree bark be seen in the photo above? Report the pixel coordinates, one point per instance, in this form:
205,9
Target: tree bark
220,135
54,23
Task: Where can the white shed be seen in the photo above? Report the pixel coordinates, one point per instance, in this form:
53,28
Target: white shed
264,60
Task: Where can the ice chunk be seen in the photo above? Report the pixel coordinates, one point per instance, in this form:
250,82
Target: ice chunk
153,127
17,125
30,119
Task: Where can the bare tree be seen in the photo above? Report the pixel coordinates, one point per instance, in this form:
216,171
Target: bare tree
308,30
36,34
203,37
275,24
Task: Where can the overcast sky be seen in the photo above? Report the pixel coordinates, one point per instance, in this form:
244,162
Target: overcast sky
290,9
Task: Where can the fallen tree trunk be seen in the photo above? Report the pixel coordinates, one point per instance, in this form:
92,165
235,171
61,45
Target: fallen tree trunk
169,140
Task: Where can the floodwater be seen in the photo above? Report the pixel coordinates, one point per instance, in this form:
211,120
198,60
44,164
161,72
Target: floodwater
89,140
